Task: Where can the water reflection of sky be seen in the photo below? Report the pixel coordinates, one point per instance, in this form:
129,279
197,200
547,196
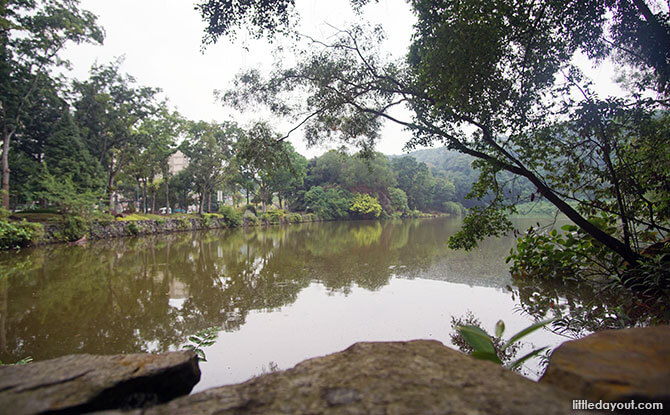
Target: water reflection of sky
279,295
321,322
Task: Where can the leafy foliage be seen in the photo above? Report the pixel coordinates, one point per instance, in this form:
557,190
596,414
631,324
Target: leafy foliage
231,216
398,200
484,346
259,17
203,338
23,361
328,204
551,254
19,234
366,206
72,228
61,191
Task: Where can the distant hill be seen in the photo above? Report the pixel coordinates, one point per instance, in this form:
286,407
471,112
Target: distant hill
457,167
437,157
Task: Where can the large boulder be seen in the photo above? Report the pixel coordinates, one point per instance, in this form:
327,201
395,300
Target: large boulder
614,365
83,383
416,377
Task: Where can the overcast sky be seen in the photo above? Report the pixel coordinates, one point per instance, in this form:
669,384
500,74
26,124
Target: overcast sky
161,42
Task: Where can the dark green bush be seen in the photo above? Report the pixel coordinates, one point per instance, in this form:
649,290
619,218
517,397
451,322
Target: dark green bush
273,217
251,220
294,217
132,228
72,228
231,216
329,204
19,234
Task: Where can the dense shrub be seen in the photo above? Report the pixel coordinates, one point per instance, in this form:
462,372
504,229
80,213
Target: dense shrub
365,206
250,220
19,234
273,216
398,200
231,216
132,228
72,228
414,214
328,204
293,217
452,208
556,255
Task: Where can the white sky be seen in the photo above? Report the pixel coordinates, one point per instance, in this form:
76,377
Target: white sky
161,42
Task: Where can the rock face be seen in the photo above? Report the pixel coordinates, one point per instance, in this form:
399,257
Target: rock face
82,383
614,365
417,377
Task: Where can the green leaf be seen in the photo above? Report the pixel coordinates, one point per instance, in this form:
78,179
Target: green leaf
477,338
500,328
526,332
492,357
513,365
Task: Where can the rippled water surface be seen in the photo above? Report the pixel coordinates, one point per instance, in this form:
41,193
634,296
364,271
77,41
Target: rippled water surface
276,295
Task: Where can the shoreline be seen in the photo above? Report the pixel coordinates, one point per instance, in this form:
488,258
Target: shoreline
67,232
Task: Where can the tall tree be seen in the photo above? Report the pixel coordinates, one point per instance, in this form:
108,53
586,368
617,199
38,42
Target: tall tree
110,111
289,177
31,36
164,132
209,148
261,154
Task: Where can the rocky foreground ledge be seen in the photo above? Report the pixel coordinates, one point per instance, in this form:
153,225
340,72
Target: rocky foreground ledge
415,377
85,383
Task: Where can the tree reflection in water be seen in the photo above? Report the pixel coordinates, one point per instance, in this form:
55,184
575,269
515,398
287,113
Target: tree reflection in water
149,293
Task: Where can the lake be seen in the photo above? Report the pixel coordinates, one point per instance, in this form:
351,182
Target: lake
275,295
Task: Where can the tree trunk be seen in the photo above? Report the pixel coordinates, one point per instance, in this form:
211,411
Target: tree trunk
153,200
4,282
167,196
144,195
5,167
209,202
201,201
518,168
110,189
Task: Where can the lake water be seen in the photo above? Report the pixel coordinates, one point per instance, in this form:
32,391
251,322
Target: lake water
276,295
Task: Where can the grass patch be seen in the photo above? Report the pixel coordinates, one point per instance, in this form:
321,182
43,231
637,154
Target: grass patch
140,216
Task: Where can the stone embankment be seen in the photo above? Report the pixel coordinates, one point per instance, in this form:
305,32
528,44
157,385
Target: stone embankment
117,229
415,377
